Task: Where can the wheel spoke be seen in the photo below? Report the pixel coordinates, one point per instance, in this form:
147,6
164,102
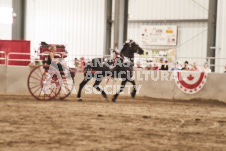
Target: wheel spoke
63,91
37,90
67,89
40,94
35,87
35,78
37,74
40,71
52,91
34,82
58,89
55,92
49,96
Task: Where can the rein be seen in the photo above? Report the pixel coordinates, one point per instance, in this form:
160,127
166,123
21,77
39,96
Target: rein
116,56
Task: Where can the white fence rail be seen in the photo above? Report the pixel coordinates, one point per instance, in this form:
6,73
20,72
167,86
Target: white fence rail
219,63
3,58
24,54
17,59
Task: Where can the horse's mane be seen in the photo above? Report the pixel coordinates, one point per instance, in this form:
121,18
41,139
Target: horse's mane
124,51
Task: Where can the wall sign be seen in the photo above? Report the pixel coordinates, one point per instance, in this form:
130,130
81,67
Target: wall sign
159,35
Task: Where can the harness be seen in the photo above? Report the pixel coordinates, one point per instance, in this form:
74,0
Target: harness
116,56
114,61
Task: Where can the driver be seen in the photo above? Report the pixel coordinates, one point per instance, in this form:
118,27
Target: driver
53,61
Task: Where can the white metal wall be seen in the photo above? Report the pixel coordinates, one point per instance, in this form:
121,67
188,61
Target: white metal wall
168,9
6,19
221,36
192,36
79,24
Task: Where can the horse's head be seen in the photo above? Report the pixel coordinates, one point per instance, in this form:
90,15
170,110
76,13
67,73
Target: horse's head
130,48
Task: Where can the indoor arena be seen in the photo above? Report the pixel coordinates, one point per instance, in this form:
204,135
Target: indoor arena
112,75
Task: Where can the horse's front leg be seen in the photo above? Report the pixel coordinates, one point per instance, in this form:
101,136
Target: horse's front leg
121,89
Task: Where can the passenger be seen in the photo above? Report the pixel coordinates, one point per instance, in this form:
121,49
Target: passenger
206,67
195,67
185,66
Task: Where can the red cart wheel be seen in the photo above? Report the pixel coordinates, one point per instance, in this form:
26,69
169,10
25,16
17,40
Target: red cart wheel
67,84
43,83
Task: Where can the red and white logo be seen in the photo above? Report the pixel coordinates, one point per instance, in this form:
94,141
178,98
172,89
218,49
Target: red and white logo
190,82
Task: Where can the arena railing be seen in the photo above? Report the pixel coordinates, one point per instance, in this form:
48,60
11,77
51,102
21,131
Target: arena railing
219,63
60,55
24,54
71,58
3,58
155,59
45,55
86,56
17,59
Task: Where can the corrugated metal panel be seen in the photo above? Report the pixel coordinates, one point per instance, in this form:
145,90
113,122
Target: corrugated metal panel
5,26
168,9
6,3
76,23
221,37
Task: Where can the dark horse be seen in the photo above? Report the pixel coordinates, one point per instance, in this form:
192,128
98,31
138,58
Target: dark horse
99,68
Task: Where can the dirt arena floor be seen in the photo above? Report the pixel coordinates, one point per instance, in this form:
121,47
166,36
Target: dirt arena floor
94,124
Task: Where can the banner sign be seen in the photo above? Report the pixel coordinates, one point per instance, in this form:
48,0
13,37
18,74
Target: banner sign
190,82
159,35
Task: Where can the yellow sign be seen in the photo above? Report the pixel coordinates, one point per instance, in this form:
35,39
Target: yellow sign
169,31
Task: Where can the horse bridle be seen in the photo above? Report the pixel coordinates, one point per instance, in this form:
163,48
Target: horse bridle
130,45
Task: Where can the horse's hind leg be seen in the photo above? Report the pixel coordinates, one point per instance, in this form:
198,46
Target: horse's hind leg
134,88
121,89
82,84
96,86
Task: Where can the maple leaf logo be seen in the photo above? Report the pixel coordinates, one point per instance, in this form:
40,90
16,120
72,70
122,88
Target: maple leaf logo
190,77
